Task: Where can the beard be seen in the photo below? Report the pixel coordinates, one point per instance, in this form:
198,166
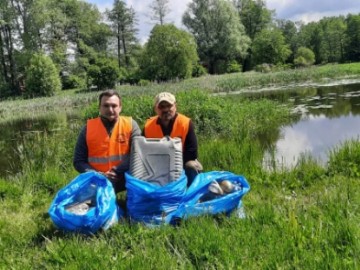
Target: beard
166,116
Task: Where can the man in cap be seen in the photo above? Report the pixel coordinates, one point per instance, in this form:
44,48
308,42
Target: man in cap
104,143
169,122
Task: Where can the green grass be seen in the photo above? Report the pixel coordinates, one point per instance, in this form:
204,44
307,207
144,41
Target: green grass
306,217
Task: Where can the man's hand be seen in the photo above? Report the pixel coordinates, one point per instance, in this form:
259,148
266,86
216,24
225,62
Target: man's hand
111,175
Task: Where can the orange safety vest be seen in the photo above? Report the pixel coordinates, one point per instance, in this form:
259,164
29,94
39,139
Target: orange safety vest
180,128
104,152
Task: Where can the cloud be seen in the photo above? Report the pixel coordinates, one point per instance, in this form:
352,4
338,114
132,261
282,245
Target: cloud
312,10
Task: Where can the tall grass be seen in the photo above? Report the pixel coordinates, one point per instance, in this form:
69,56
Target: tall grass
345,159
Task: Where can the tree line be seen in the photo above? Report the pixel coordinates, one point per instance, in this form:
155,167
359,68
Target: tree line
49,45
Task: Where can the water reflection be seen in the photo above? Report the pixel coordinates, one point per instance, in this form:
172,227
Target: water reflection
316,136
330,115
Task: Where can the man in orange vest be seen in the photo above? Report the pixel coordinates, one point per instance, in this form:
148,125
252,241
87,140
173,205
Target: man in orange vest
169,122
104,143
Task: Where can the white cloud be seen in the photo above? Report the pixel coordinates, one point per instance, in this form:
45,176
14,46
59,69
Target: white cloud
312,10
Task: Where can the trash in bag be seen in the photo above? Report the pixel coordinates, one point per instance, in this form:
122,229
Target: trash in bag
152,204
212,193
86,204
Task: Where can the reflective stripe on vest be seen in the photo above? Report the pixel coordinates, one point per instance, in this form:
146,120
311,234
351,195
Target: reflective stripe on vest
180,128
105,152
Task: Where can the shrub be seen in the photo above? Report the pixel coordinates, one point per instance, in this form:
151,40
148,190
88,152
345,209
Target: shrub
233,67
198,70
41,77
103,74
304,57
72,81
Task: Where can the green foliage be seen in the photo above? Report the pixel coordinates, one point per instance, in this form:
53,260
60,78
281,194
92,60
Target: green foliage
219,33
122,22
4,89
42,77
254,15
103,74
140,107
304,57
300,61
169,54
230,66
198,70
345,159
72,81
269,47
233,67
353,36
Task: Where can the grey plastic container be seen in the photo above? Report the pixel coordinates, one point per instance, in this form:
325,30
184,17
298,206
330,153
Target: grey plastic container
158,161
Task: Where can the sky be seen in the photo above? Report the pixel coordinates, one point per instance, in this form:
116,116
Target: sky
295,10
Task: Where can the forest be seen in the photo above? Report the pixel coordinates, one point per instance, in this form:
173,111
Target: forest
47,46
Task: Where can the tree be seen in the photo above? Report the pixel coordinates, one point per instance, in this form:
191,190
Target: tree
123,27
41,78
7,51
159,10
170,53
103,74
218,31
290,33
304,57
326,38
269,47
353,37
311,36
334,38
254,15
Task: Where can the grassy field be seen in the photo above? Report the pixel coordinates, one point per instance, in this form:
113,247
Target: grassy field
306,217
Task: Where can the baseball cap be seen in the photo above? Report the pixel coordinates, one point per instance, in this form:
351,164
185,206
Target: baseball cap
165,96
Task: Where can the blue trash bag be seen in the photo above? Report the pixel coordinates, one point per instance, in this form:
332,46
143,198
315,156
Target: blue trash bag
192,204
85,205
152,204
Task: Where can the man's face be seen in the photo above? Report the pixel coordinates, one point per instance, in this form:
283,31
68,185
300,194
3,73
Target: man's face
110,108
165,110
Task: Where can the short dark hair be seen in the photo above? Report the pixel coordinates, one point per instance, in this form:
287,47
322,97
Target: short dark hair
109,93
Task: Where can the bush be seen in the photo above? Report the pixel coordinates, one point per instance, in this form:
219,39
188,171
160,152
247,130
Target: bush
304,57
41,77
103,74
72,81
233,67
198,70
